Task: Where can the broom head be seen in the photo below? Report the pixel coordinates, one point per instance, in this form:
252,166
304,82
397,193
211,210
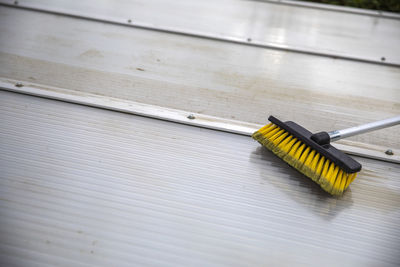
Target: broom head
310,154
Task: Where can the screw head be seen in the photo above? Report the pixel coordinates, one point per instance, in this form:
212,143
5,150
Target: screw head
383,58
129,21
249,40
191,117
389,152
19,85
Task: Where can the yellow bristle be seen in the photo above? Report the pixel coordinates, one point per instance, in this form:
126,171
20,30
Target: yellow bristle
350,179
330,177
308,161
288,146
271,132
338,181
310,158
325,169
299,151
277,141
270,145
266,127
305,154
320,164
276,135
343,182
293,150
295,160
334,174
283,147
290,155
310,165
284,142
280,138
260,134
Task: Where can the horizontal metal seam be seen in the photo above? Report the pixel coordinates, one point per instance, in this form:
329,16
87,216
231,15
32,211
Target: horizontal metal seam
206,36
177,116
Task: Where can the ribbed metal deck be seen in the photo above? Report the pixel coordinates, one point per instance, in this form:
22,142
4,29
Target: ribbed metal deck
211,77
347,33
83,186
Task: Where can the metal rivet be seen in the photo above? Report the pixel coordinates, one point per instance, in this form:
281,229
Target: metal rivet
248,39
129,21
19,85
389,152
191,117
383,58
15,2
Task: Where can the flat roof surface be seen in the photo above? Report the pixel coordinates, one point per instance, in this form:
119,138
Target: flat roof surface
222,79
84,186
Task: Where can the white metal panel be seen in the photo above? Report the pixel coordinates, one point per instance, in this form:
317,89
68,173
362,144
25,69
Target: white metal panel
328,32
198,75
88,187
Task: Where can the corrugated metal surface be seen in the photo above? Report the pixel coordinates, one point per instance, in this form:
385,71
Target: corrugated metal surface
178,116
81,186
88,187
198,75
311,30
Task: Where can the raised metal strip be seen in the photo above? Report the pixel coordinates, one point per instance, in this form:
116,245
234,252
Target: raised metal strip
89,187
214,78
131,107
179,116
247,22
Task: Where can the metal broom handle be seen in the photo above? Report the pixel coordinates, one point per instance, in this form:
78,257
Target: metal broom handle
372,126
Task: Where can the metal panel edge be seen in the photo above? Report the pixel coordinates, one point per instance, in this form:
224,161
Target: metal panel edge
198,34
174,115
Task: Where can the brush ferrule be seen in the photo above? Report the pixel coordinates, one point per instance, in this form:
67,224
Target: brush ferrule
334,135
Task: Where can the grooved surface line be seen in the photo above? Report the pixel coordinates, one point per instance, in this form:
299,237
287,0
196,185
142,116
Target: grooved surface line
81,186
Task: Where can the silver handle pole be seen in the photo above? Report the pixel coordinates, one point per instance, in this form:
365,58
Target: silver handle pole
339,134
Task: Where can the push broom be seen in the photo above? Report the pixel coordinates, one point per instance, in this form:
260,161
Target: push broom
312,154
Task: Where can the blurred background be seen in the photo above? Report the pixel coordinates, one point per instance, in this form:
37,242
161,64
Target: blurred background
384,5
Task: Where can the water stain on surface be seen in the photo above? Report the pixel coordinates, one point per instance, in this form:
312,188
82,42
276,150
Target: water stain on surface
300,188
57,41
250,98
373,187
91,53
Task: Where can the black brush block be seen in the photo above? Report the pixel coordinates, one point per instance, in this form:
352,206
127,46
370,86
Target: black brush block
320,143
